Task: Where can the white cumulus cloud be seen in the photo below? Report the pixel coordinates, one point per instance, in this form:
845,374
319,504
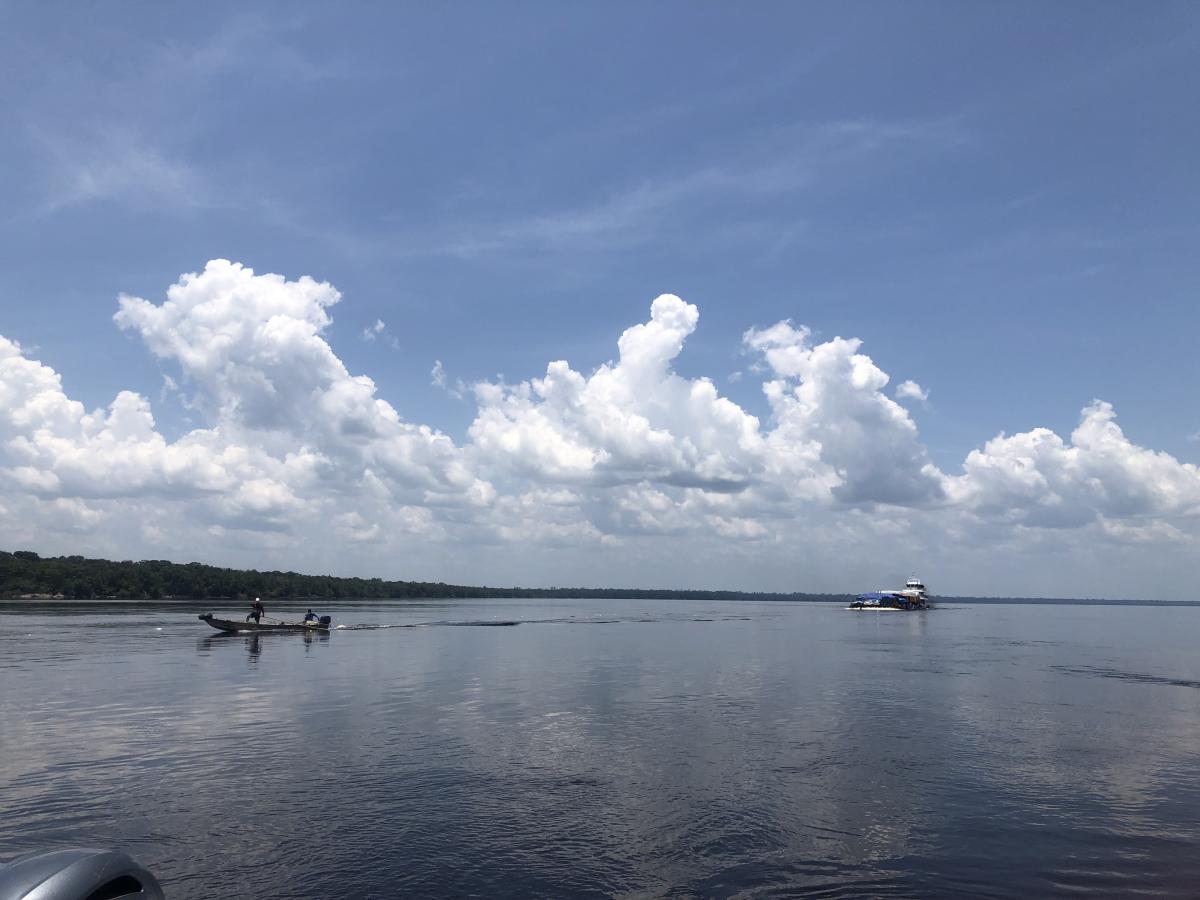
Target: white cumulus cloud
829,399
1037,478
250,349
629,421
910,390
299,462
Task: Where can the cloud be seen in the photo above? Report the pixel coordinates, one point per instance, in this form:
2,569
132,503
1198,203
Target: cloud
251,42
630,464
1036,478
378,331
789,159
910,390
437,377
292,439
128,121
630,421
250,349
53,447
116,164
829,398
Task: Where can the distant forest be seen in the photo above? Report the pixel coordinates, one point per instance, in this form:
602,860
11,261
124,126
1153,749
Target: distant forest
26,574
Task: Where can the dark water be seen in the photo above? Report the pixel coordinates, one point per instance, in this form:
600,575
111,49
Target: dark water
626,749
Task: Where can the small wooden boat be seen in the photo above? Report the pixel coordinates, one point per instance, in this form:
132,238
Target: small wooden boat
232,626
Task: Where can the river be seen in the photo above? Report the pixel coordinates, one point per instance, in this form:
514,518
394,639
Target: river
612,749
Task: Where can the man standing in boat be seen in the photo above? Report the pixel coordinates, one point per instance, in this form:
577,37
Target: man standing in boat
256,611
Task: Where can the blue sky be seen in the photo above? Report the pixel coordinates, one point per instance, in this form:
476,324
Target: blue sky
999,201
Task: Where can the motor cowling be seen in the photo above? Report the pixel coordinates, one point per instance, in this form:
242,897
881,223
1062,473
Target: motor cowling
77,874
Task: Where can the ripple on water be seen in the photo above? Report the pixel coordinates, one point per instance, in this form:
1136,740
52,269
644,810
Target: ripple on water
750,750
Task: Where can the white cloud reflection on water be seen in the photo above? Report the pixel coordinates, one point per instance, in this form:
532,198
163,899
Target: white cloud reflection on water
802,744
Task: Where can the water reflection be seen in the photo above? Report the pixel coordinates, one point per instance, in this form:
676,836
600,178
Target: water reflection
693,751
254,643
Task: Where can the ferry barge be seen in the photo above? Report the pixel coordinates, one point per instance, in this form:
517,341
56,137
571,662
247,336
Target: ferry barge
912,596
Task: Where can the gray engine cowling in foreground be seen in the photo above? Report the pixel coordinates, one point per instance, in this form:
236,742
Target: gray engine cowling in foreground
77,874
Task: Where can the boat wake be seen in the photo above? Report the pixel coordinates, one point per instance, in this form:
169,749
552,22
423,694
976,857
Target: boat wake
1135,677
509,623
481,624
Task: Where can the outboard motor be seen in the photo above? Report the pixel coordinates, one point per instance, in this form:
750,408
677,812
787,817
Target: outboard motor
325,620
77,874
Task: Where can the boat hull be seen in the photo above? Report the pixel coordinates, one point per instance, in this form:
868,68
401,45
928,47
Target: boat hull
231,626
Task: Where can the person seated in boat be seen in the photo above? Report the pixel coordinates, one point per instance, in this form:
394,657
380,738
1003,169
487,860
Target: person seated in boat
310,616
256,611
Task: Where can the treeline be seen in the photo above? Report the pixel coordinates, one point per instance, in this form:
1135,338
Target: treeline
25,573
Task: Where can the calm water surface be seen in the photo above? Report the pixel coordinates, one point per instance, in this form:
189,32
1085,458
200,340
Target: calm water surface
626,749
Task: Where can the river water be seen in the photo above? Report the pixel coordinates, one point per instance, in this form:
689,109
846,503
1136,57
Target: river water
613,749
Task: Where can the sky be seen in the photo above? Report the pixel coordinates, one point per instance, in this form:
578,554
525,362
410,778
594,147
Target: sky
780,297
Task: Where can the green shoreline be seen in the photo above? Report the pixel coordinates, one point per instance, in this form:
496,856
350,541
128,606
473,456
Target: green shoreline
26,577
24,572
